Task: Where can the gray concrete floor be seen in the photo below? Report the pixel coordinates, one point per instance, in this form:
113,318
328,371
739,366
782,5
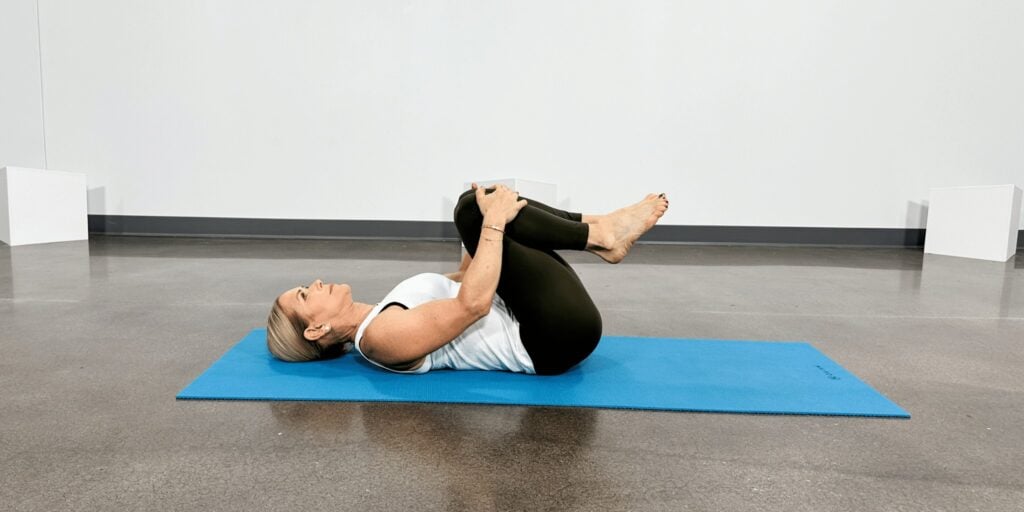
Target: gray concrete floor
97,337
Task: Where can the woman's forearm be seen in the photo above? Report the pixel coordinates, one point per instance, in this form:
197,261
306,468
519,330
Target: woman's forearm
480,280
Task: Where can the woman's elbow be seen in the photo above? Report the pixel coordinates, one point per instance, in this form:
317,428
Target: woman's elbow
477,308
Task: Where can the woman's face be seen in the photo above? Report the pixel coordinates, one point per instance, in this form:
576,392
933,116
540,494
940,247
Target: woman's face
316,303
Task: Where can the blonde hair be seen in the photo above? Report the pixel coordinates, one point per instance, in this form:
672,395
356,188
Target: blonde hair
286,341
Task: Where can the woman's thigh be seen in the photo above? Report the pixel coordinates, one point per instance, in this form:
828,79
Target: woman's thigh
558,321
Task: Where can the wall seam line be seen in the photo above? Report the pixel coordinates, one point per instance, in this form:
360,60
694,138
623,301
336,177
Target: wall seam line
42,96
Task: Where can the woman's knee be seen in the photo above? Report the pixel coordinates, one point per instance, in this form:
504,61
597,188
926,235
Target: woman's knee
466,210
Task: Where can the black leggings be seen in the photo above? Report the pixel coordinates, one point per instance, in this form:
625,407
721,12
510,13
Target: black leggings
558,323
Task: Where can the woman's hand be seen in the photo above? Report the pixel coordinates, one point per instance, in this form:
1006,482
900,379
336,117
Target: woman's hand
501,205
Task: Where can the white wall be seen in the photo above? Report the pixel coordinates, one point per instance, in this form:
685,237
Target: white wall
21,114
785,113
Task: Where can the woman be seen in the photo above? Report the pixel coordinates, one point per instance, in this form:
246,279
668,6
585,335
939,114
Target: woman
514,305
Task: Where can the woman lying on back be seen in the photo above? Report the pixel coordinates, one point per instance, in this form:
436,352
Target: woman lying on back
514,305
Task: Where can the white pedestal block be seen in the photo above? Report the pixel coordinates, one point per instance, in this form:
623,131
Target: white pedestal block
39,206
536,190
974,222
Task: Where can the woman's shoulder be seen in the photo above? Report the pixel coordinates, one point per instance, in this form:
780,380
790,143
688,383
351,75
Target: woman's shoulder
378,324
369,332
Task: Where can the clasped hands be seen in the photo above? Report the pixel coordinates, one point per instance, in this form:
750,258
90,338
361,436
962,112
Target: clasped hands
501,205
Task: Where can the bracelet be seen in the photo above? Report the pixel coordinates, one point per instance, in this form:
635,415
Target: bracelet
495,227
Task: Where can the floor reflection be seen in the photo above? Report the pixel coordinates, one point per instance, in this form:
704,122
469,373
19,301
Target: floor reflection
990,285
58,272
317,417
485,457
525,461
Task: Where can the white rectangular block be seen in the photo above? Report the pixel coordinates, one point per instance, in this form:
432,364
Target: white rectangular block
536,190
974,222
41,206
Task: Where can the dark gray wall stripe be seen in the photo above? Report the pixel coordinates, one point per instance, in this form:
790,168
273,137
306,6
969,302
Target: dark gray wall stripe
787,235
434,230
285,228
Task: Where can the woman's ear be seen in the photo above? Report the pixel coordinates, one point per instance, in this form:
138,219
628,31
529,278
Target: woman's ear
315,332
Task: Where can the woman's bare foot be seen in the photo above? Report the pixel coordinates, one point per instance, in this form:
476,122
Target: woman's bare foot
613,235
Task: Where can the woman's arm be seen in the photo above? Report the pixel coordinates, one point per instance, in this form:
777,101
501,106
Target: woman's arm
399,337
480,280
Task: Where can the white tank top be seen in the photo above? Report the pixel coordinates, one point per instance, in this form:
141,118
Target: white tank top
491,343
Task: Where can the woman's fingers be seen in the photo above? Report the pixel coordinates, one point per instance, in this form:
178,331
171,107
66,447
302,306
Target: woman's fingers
513,210
481,199
500,199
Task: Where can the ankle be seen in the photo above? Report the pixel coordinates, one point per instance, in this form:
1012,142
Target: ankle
599,238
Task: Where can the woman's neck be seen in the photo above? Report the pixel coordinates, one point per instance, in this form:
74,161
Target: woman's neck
350,320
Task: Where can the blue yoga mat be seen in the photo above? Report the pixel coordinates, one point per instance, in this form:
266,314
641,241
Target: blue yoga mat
631,373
